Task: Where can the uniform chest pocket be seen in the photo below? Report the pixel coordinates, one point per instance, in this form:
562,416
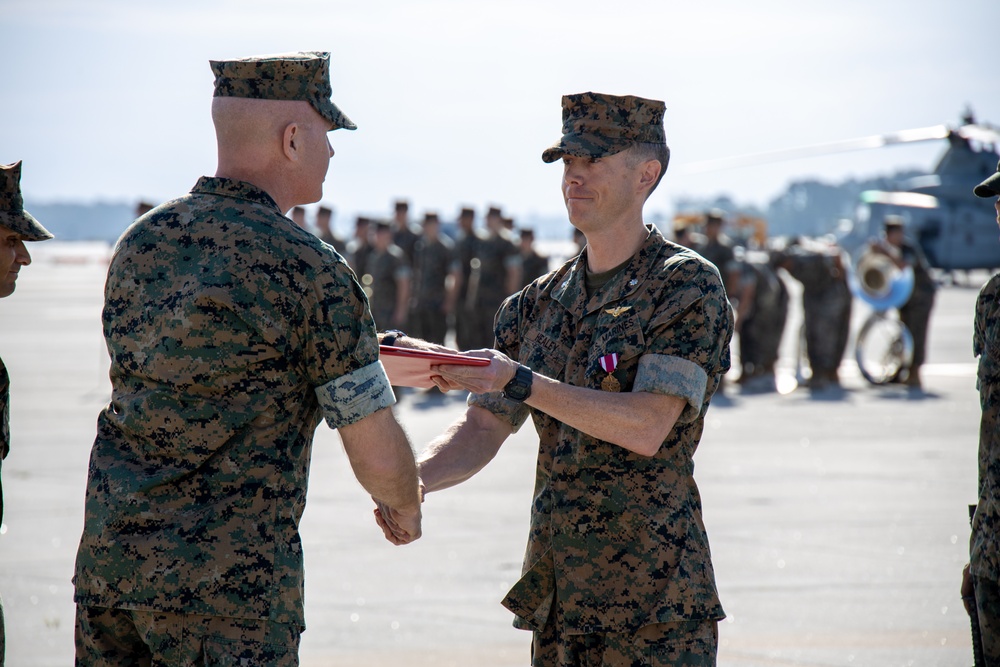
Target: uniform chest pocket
619,345
545,354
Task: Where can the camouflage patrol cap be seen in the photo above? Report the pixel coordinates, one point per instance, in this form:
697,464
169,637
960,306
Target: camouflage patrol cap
597,125
989,187
302,76
12,213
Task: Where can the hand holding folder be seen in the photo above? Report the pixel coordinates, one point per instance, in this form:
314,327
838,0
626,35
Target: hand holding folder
412,368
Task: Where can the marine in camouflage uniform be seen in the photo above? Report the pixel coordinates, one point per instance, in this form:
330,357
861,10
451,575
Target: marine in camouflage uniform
16,227
434,278
404,235
717,248
324,230
764,306
533,265
386,280
496,278
467,256
826,306
615,358
232,332
359,247
985,542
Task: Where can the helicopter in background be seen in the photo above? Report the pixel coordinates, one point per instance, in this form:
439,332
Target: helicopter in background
952,226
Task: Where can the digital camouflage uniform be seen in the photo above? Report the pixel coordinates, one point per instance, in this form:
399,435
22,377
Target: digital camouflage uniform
467,256
720,253
4,423
617,545
985,544
916,312
533,266
405,238
15,218
4,448
382,271
764,322
826,305
434,262
231,332
497,254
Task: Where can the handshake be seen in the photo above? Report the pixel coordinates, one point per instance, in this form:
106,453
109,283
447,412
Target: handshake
464,448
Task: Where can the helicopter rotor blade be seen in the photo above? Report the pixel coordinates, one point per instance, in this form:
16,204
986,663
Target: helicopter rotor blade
904,199
932,133
985,134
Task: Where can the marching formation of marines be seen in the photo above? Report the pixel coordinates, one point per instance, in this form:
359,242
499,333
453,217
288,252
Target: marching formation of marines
434,280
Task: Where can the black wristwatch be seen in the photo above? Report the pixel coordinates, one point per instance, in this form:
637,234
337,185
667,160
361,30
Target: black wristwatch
519,389
391,336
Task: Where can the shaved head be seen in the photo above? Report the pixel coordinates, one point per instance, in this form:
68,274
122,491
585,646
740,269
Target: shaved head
262,142
243,124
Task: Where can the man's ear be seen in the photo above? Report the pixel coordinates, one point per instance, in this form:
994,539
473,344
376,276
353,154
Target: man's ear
290,141
650,171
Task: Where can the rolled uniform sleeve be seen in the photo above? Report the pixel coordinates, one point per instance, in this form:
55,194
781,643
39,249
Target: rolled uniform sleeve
341,349
352,397
673,376
689,341
507,341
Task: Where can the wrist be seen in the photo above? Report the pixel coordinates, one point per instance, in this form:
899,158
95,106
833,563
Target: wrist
519,387
390,337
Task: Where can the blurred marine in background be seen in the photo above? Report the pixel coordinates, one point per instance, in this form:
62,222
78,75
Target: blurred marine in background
981,580
16,227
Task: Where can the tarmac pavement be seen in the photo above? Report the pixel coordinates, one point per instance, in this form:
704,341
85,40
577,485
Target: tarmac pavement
838,520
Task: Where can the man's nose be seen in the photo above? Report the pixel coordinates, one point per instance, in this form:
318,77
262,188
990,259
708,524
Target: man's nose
21,254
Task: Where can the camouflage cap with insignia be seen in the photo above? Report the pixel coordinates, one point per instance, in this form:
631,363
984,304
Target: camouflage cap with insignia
12,213
302,76
597,125
989,187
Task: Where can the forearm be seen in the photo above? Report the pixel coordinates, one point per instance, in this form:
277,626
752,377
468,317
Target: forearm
636,421
382,460
463,450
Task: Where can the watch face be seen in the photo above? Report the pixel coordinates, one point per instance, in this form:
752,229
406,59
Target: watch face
519,388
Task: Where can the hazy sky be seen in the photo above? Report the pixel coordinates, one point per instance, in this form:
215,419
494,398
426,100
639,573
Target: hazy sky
455,100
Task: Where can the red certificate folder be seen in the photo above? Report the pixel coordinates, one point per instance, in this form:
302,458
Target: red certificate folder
412,368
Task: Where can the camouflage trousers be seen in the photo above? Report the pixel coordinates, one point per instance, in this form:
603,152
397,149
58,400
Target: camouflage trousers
682,644
988,607
128,637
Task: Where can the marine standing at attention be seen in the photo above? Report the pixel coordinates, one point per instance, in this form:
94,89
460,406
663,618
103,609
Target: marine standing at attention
232,332
16,227
615,357
981,580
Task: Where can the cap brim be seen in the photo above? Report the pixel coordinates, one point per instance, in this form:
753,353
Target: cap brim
988,188
24,224
581,145
332,113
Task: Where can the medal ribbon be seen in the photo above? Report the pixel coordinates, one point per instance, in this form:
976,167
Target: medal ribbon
609,362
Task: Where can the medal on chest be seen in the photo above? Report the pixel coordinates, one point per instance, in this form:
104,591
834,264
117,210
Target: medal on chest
609,362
